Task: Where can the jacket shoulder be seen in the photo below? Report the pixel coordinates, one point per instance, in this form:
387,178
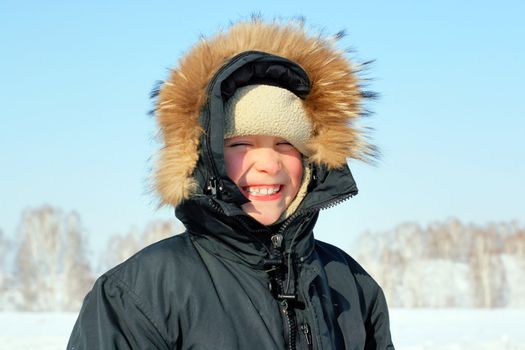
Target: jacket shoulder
160,264
126,307
330,253
349,279
337,263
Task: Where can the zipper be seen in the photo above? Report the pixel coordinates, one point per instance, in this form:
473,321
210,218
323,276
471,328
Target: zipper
289,314
291,325
329,203
308,335
323,205
290,322
277,275
214,179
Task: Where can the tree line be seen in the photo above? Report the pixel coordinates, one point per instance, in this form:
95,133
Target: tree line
448,264
47,266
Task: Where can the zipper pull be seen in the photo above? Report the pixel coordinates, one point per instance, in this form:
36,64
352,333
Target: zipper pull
291,297
277,240
284,305
306,331
276,257
212,186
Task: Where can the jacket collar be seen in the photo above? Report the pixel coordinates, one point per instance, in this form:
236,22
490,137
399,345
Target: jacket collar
239,237
224,229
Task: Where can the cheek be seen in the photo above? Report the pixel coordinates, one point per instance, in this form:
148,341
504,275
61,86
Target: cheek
233,162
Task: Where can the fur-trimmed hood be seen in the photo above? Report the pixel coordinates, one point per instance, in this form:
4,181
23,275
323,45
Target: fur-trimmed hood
333,102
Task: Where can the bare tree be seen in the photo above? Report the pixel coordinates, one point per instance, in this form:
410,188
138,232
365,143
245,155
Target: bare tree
159,230
5,275
121,247
51,268
514,241
489,279
4,249
448,264
77,273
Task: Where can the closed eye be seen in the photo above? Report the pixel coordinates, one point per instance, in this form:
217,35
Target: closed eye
285,145
237,144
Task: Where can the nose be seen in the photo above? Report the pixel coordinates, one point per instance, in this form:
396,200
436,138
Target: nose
268,161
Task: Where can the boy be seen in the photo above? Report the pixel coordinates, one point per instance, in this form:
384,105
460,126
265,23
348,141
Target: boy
257,125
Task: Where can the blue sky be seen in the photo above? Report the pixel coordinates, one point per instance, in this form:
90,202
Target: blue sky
75,133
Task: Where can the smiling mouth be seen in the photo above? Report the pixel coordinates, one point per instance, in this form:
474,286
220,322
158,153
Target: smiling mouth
262,190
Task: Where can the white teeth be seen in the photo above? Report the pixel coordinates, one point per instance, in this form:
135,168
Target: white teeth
262,191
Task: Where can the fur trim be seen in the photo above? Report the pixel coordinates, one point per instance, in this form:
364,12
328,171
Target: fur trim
333,105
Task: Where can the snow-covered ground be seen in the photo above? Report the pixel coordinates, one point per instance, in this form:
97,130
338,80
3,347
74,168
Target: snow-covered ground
458,329
415,329
35,331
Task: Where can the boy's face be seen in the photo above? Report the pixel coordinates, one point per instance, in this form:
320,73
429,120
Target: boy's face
268,170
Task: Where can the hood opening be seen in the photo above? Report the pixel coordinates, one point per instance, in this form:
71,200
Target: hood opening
247,68
284,74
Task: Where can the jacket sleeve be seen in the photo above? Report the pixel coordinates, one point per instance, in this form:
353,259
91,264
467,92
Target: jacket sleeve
378,325
113,317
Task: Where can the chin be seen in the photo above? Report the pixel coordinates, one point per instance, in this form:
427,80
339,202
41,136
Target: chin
264,217
267,221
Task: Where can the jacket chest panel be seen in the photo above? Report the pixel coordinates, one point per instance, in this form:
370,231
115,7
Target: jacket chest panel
240,303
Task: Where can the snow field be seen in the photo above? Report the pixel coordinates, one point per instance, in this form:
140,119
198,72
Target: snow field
412,329
458,329
35,331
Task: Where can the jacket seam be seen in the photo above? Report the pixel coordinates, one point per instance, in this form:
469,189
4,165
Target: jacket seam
140,305
316,320
372,310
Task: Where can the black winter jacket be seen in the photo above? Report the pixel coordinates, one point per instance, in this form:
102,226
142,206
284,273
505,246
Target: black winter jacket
229,282
216,290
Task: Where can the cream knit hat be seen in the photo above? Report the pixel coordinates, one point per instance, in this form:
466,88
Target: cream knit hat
268,110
